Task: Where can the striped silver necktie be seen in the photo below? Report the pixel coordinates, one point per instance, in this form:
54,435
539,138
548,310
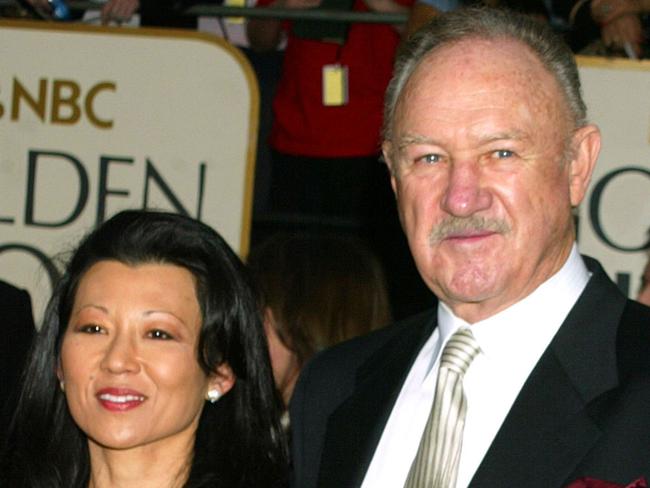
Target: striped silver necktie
436,462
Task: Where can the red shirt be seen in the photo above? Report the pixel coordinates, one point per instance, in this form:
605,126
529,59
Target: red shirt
302,125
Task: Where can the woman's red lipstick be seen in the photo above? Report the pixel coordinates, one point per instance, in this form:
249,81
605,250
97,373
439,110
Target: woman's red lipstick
120,399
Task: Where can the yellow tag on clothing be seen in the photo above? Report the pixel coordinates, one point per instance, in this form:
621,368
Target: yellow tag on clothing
235,3
335,85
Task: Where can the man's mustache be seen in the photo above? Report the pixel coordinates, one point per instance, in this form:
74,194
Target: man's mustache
451,226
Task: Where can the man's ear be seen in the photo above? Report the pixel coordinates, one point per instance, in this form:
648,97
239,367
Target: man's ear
387,151
585,145
222,380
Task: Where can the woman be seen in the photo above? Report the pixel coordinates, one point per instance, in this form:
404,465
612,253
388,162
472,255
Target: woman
316,291
150,369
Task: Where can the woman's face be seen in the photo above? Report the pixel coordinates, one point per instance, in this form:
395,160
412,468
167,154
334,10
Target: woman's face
129,356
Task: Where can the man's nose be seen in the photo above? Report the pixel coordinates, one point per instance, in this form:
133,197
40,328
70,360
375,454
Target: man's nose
465,193
121,355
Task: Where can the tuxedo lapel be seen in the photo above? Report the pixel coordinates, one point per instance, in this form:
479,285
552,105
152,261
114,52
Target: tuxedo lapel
544,435
552,424
355,428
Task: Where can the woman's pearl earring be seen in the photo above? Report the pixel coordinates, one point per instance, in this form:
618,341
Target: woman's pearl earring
213,395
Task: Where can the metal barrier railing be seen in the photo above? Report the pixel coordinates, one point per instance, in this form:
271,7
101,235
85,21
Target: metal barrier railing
275,13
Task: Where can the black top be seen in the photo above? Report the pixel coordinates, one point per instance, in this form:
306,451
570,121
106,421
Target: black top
17,332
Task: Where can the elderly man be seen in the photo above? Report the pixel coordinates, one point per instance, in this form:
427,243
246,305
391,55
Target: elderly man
534,370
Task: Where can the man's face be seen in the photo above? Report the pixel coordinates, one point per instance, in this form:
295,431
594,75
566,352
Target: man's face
486,168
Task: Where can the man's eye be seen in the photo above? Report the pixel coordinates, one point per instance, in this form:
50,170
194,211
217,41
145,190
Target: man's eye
430,158
160,334
90,329
503,153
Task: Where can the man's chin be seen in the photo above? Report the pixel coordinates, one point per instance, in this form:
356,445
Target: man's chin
468,298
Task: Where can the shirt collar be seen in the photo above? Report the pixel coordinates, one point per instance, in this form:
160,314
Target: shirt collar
530,323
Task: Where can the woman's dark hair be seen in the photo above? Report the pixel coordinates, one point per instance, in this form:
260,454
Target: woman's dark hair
239,442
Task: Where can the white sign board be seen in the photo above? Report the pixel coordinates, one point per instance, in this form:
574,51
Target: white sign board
94,120
614,219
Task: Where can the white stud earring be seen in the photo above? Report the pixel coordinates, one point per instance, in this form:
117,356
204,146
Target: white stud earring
213,395
62,385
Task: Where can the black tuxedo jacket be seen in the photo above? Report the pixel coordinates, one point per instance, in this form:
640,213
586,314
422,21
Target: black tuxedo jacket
17,327
584,410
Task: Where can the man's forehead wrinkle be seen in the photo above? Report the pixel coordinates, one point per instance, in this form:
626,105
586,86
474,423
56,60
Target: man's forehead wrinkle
492,80
410,139
470,62
479,135
513,135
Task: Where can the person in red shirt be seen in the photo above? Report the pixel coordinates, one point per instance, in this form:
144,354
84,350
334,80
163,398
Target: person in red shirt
324,154
325,171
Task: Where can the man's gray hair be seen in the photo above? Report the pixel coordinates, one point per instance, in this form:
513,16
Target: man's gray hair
490,24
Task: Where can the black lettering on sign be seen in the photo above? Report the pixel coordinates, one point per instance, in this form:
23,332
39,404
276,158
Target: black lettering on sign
152,174
103,190
32,172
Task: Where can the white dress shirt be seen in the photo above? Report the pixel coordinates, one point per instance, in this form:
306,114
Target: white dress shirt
511,343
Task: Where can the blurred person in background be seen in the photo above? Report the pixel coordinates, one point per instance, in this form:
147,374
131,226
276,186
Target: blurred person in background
316,291
152,13
424,10
591,27
621,26
111,11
